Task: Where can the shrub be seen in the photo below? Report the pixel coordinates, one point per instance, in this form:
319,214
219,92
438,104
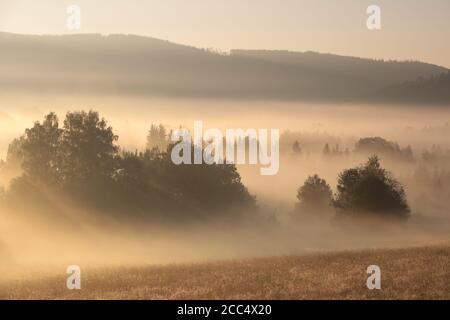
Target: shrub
314,196
370,189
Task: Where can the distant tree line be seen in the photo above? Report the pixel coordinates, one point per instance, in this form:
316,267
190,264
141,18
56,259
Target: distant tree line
80,159
432,90
383,147
365,146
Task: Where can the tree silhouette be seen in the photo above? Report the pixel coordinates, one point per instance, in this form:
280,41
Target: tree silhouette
38,149
14,159
315,195
370,189
157,137
326,150
213,186
82,161
88,147
383,147
296,149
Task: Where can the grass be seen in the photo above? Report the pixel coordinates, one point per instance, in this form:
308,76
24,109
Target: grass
417,273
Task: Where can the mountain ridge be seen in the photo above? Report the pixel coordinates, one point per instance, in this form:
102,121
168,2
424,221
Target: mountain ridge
131,64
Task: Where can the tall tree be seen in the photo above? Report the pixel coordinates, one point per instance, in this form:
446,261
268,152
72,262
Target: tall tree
87,147
157,137
38,149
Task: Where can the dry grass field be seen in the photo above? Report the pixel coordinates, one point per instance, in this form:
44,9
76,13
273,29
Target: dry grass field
417,273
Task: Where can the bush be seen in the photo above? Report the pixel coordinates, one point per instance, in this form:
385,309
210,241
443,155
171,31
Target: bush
370,190
314,196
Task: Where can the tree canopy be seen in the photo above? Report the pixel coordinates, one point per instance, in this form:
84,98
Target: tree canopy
383,147
370,189
82,160
315,193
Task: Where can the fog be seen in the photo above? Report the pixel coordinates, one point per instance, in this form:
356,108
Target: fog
74,235
131,116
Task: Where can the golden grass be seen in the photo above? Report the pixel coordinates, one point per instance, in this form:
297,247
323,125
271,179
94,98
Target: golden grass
418,273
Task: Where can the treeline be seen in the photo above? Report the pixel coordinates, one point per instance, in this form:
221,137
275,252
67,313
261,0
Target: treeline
80,159
434,89
365,146
435,156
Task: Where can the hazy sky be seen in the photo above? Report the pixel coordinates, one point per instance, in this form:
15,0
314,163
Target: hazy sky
411,29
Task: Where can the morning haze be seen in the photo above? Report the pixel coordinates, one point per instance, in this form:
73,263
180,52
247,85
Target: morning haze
87,177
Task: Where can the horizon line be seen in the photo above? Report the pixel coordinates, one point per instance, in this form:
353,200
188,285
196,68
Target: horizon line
106,35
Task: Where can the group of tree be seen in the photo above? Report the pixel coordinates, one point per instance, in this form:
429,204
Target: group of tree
157,137
81,159
384,148
366,146
364,191
335,150
433,181
373,145
432,90
436,156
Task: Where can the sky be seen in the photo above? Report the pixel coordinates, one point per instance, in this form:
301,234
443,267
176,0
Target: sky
410,29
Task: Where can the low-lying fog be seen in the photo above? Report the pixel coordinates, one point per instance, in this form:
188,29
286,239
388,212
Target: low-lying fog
76,236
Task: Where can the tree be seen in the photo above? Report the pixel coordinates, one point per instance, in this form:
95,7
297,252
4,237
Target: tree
12,167
315,194
370,189
38,150
382,147
326,150
157,138
296,149
131,173
83,159
213,187
15,155
88,148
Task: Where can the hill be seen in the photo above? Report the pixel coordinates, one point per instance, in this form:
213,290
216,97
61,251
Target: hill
128,64
435,89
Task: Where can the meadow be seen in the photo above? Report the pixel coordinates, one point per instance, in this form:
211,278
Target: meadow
414,273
